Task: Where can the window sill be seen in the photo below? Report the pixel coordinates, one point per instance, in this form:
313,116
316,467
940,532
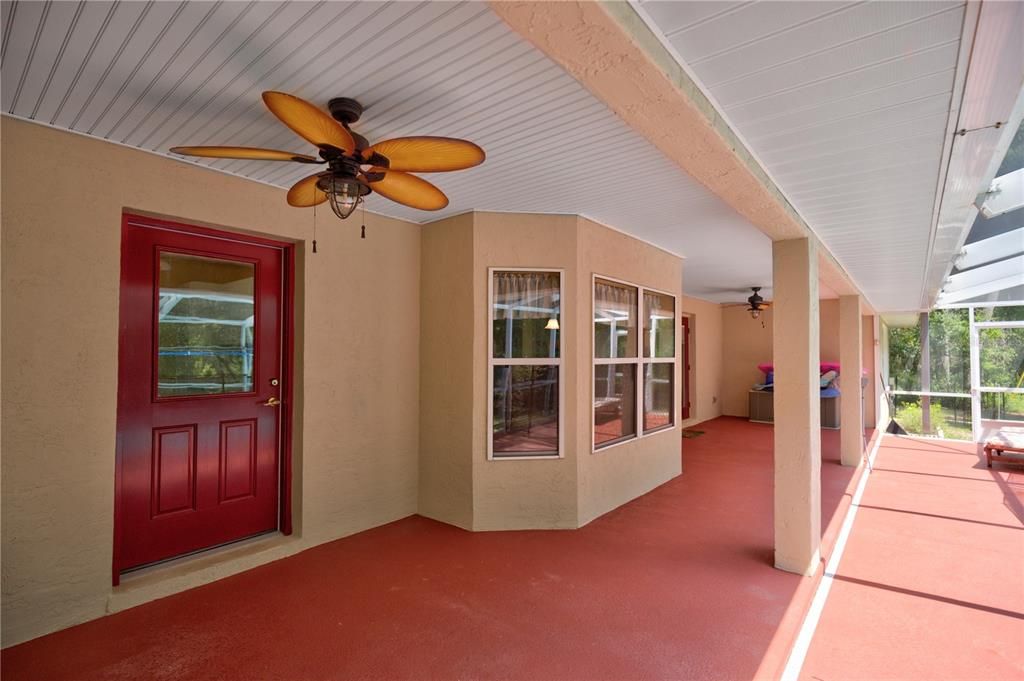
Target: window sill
635,438
526,457
614,444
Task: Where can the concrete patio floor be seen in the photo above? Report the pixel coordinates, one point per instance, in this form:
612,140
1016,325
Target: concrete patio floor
676,584
931,584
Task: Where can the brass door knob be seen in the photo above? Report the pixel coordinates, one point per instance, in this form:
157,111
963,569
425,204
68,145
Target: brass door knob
272,402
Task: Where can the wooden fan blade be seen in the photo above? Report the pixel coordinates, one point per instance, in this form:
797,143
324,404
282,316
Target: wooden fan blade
406,189
309,122
246,153
305,193
428,154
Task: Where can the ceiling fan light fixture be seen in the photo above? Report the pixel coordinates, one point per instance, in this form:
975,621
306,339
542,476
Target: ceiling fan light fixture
754,312
346,153
344,193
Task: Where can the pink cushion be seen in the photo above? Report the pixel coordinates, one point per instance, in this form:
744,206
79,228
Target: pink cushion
823,367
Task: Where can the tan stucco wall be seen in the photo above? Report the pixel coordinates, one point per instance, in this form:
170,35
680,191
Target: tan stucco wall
828,320
361,458
358,396
528,493
523,494
747,342
610,477
446,376
705,359
867,327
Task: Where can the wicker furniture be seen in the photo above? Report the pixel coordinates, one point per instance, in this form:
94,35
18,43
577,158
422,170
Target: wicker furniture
761,409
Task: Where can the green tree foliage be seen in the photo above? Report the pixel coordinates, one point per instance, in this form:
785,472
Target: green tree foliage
905,357
949,343
1001,358
948,419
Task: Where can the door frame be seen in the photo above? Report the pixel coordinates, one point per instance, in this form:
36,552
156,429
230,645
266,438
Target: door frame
285,426
685,352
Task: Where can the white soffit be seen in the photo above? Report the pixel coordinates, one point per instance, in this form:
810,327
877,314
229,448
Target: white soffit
847,105
988,115
155,75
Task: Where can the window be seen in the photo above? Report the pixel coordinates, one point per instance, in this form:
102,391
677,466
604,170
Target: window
974,374
634,390
525,363
659,360
205,320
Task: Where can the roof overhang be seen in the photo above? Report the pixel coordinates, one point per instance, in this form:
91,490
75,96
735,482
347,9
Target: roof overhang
988,115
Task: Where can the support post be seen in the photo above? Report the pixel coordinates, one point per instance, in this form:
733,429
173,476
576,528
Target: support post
851,402
797,403
926,376
975,349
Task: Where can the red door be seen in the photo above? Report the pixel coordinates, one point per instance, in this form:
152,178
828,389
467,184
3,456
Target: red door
686,368
201,383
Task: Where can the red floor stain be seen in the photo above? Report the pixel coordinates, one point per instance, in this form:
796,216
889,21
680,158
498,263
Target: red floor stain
931,585
677,584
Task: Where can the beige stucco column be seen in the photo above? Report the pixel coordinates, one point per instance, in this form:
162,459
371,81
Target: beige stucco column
851,353
797,404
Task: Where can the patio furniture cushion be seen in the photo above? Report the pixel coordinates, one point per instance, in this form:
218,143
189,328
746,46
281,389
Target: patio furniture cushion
997,444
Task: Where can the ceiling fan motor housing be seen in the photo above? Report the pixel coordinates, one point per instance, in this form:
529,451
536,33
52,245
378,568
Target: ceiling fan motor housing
345,110
343,165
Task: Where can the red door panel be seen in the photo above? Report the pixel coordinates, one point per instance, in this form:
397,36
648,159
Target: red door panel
201,377
173,488
237,460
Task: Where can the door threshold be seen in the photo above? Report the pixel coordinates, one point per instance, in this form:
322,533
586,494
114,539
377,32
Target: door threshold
195,569
198,553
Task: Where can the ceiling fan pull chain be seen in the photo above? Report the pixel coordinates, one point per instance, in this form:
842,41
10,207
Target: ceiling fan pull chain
314,228
363,236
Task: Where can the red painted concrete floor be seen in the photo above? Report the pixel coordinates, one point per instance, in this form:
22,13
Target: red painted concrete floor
675,585
931,584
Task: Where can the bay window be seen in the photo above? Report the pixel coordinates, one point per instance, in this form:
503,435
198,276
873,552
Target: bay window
524,380
634,363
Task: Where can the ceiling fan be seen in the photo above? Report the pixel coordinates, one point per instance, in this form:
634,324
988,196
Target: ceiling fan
755,303
355,168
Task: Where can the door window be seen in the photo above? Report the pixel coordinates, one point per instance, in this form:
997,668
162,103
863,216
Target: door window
205,321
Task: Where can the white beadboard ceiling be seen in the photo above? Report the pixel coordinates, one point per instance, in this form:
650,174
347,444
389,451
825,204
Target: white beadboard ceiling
155,75
846,105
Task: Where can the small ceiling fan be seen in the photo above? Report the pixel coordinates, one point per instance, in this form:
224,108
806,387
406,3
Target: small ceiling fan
355,168
755,303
